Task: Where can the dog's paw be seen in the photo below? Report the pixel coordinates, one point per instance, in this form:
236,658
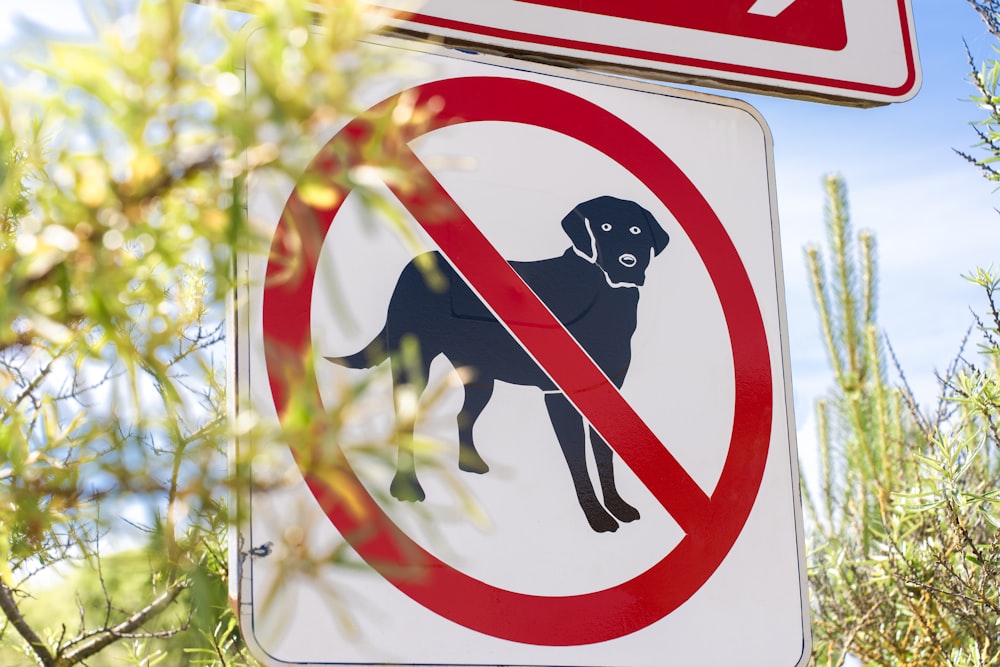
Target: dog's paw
406,487
622,510
601,521
469,460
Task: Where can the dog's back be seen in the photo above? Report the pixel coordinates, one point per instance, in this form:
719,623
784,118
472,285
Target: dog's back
456,323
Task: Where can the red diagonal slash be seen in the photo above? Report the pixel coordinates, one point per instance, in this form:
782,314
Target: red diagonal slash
712,525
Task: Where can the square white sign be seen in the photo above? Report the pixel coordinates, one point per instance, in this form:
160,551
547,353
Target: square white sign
599,265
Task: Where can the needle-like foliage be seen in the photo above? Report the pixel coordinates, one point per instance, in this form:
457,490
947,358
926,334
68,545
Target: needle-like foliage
904,525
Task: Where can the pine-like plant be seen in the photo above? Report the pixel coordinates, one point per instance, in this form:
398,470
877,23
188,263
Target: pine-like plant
904,554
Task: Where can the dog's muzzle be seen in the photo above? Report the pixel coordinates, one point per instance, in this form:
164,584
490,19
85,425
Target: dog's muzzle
627,260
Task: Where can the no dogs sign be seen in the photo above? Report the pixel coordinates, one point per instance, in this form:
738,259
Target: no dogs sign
536,408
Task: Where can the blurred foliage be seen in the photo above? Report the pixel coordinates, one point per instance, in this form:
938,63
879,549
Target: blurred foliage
123,165
904,525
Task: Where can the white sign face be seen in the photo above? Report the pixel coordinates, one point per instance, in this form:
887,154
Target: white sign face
609,476
853,51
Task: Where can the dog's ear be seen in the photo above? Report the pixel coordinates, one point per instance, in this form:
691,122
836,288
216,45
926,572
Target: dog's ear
576,227
660,236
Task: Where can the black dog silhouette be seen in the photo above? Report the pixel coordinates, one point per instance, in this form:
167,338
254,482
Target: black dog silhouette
591,289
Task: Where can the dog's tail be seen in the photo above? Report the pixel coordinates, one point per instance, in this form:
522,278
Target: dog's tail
369,356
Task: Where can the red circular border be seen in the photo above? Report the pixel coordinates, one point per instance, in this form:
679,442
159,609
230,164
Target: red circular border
544,620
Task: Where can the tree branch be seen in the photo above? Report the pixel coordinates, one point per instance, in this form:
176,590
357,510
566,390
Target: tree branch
30,389
123,629
13,613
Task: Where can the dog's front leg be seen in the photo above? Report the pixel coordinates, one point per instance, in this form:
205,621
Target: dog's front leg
570,432
604,457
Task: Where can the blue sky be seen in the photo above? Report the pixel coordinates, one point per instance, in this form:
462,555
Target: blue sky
932,215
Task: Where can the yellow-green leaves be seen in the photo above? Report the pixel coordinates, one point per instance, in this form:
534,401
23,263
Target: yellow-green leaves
317,193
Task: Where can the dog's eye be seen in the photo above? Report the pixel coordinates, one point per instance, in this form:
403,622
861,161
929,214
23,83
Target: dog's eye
635,230
606,226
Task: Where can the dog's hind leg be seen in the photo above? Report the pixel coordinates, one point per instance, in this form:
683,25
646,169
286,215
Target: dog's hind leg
476,397
405,485
571,434
408,384
604,457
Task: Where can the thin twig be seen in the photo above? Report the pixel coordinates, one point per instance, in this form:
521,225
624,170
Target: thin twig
124,629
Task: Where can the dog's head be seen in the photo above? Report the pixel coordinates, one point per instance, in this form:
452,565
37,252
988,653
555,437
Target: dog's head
618,236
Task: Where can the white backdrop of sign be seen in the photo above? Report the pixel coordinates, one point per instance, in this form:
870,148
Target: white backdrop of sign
525,532
858,50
